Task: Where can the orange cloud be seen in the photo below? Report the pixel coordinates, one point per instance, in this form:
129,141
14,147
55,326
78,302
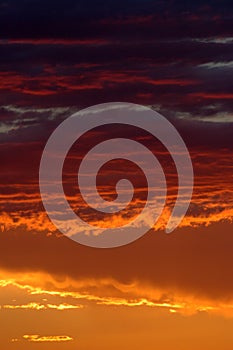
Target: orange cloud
111,293
212,200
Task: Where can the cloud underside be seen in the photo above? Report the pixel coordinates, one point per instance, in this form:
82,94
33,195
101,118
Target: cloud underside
71,295
181,272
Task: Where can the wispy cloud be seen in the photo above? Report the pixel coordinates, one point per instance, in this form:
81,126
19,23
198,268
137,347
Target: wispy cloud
47,338
39,306
55,41
213,65
215,40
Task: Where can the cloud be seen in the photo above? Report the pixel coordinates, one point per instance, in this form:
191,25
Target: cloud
213,65
21,205
47,338
145,53
52,84
209,114
187,264
215,40
38,306
52,112
214,96
55,41
110,293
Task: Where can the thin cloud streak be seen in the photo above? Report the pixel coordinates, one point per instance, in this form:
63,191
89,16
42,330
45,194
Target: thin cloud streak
46,338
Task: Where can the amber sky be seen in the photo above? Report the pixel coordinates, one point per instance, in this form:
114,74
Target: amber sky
162,291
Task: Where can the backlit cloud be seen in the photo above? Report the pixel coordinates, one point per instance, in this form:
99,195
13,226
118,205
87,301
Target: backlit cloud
47,338
108,293
38,306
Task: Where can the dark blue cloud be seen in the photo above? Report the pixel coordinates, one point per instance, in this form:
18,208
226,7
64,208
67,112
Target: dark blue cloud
79,18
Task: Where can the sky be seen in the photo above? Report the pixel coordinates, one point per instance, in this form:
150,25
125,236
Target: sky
161,291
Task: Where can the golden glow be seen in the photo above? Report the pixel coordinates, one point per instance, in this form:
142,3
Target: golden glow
37,306
138,296
50,338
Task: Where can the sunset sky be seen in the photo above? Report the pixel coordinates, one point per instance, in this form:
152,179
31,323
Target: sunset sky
162,291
